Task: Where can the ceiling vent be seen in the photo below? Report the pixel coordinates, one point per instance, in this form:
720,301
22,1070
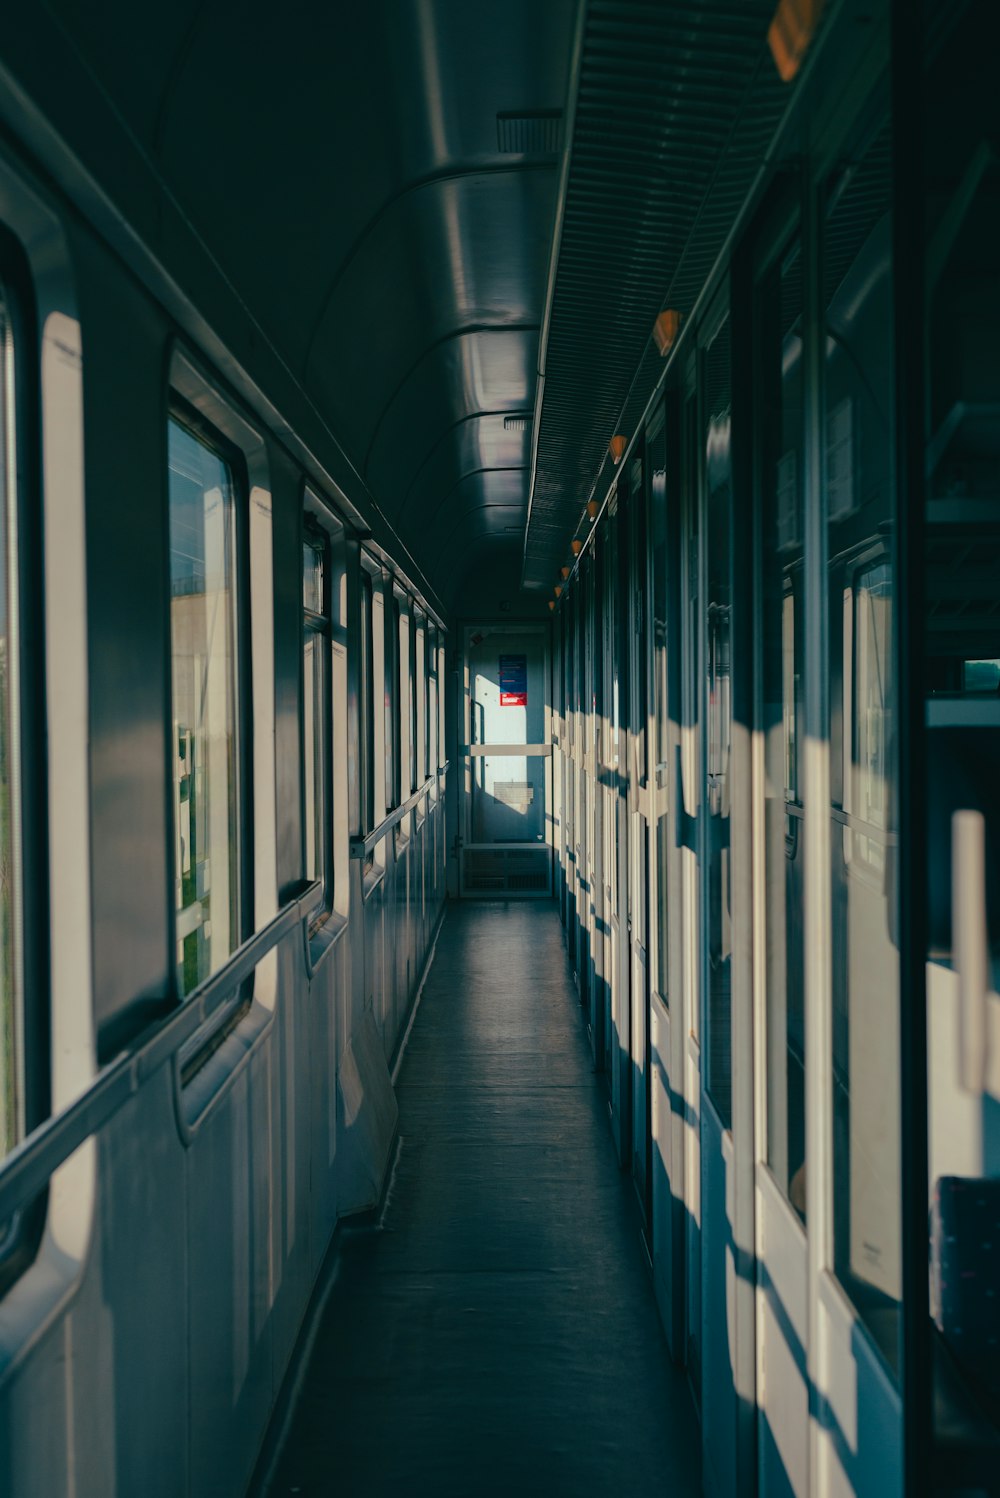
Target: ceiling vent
517,423
536,132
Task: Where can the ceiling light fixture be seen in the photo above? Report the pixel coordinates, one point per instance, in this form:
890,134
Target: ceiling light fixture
617,447
790,33
665,330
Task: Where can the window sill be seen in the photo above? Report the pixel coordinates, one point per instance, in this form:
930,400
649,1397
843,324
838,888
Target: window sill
197,1097
321,941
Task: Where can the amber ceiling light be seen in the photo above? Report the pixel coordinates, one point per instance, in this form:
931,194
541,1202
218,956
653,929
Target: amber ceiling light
591,510
617,447
790,33
576,546
558,589
552,603
564,571
665,330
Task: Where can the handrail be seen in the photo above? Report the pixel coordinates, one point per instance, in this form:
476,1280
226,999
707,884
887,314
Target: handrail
363,847
28,1167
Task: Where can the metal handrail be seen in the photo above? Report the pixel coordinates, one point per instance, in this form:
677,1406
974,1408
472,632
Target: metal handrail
363,847
28,1168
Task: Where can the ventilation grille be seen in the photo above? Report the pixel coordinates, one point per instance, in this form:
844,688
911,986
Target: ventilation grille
516,423
536,132
676,107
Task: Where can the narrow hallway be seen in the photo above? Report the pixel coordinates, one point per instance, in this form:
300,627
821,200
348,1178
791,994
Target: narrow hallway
497,1332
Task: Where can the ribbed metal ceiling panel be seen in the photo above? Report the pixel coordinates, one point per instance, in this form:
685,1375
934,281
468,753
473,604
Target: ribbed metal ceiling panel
676,106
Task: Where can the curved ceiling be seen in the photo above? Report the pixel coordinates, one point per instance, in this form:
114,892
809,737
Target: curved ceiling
379,184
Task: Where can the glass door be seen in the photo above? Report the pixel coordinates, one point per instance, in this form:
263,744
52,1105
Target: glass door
505,844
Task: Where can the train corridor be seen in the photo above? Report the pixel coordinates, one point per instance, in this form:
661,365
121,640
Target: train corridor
496,1332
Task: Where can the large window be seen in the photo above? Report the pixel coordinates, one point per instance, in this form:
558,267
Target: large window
393,699
718,717
431,761
207,790
779,421
13,1047
324,689
315,703
865,960
657,456
367,714
420,699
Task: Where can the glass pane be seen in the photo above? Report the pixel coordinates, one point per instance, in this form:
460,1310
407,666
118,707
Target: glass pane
661,707
412,677
314,747
507,675
367,715
689,761
391,717
778,342
441,720
312,576
859,496
962,666
12,1102
638,610
203,636
424,661
718,717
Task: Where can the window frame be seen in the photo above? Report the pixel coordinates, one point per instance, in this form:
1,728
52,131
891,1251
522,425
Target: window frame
209,428
392,622
414,725
319,519
21,1234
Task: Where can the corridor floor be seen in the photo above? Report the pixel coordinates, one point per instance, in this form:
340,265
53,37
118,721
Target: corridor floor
496,1333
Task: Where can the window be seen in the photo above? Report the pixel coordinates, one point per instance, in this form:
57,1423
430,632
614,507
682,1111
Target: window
858,292
21,1101
209,819
367,716
12,1048
412,677
324,705
315,704
440,677
718,717
392,705
431,704
778,386
420,699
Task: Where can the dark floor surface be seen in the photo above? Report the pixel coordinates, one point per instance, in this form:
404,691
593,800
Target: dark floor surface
496,1333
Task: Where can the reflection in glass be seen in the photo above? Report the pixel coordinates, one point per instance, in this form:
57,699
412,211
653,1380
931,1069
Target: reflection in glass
203,636
12,1102
657,450
718,719
961,155
779,422
315,731
858,445
312,576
